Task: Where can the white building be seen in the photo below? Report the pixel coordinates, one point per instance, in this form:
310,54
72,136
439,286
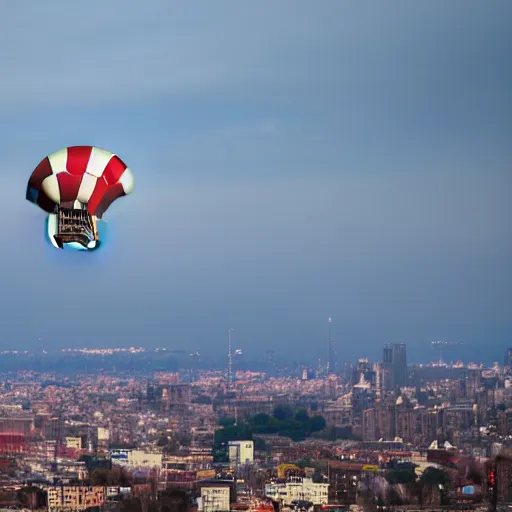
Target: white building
241,452
135,458
103,434
74,443
298,488
214,498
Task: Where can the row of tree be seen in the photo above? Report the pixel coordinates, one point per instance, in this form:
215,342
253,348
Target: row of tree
284,421
404,473
287,422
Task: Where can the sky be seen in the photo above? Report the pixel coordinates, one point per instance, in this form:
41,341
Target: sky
293,161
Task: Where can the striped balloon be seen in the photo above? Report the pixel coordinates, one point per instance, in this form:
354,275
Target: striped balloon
78,177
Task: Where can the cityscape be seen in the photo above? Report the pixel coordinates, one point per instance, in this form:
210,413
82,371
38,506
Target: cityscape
256,256
365,435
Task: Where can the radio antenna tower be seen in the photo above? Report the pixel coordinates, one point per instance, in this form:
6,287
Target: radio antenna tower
330,363
230,361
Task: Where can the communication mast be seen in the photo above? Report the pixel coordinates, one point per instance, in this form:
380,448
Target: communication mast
230,360
330,363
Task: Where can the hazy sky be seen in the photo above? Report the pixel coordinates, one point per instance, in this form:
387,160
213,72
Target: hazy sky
293,161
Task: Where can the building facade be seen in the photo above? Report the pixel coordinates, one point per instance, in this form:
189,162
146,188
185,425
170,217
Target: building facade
241,452
298,489
72,497
214,498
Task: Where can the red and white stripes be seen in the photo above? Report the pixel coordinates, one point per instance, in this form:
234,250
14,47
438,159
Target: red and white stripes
82,175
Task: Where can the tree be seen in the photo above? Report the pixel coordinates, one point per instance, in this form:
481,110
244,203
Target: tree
260,420
283,412
401,476
259,444
220,455
31,497
184,440
226,421
115,476
100,477
264,424
474,475
202,399
296,425
294,435
302,416
434,477
172,500
331,434
433,483
162,441
131,505
242,432
172,447
317,423
318,477
304,462
409,466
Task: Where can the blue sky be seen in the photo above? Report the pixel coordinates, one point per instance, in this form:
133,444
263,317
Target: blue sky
293,161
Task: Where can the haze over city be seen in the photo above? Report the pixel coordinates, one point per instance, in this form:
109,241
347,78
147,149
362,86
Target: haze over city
292,161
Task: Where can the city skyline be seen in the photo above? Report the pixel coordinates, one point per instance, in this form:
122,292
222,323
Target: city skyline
329,159
302,299
392,359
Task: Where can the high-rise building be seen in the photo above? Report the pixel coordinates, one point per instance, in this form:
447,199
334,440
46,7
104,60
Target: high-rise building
377,369
503,478
385,421
369,431
413,425
387,357
508,357
395,360
400,364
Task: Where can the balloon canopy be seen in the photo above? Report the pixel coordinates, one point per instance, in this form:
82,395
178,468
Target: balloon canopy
76,186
